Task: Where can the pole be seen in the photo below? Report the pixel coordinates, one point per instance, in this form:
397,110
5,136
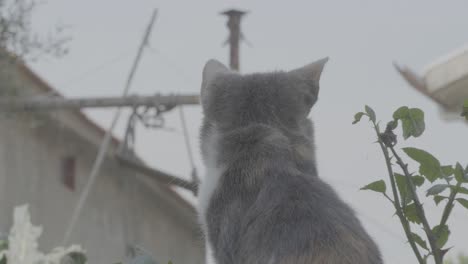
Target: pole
55,103
233,24
107,137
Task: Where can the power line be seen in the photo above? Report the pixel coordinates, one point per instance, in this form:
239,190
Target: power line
188,146
107,137
171,63
95,69
180,72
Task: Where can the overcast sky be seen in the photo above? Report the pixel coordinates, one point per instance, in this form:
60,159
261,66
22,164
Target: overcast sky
362,38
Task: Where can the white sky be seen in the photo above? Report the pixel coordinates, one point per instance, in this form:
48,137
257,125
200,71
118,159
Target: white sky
362,38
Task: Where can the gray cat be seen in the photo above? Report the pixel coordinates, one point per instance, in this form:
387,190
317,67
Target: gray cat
261,201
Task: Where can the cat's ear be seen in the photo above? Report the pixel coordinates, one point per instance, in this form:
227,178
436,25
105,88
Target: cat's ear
308,78
212,69
311,72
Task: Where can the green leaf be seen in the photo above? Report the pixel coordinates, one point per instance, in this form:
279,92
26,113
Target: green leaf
403,189
460,189
377,186
370,112
400,113
460,173
419,240
465,109
412,121
357,117
3,245
438,199
418,180
447,170
76,258
442,234
410,213
416,116
436,189
429,166
463,202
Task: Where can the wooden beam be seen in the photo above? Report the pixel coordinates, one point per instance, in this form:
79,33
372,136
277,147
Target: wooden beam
58,103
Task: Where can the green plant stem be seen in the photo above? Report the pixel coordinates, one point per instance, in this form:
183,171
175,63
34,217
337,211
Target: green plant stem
396,199
448,207
388,198
438,258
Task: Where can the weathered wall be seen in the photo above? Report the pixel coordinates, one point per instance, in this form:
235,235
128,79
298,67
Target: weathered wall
123,208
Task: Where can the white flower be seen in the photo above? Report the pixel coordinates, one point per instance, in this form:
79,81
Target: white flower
23,246
22,241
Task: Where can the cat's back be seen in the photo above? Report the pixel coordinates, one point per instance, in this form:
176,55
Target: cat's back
289,218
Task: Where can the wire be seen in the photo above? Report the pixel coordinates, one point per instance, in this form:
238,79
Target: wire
185,77
187,144
95,69
171,63
107,138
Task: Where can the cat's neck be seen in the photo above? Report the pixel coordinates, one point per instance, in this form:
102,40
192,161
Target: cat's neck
258,145
254,142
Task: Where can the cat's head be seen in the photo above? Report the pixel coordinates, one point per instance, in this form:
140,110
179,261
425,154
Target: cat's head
231,100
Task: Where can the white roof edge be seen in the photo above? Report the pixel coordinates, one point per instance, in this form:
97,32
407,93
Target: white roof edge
444,59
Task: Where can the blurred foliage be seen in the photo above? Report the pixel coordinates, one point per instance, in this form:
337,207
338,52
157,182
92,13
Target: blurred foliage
465,109
19,41
19,37
74,258
462,259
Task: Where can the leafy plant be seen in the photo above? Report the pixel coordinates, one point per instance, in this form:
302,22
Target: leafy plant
20,246
446,183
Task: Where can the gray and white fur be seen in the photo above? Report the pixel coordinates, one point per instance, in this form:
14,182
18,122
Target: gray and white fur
261,201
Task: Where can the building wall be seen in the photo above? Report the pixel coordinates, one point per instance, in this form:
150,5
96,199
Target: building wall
123,208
